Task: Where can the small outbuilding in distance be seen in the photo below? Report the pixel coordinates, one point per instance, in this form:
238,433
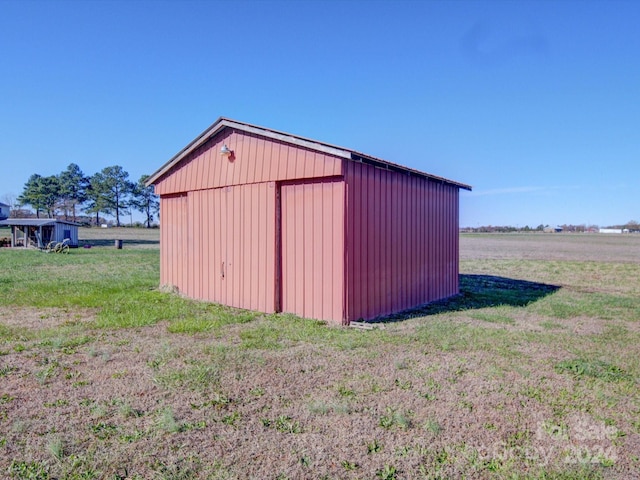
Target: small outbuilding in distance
259,219
4,211
39,232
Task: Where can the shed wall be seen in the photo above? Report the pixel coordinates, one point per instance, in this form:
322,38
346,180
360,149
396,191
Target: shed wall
63,230
279,226
402,241
255,159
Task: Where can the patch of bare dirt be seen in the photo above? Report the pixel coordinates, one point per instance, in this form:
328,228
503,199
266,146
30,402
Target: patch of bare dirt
564,247
41,318
148,403
523,321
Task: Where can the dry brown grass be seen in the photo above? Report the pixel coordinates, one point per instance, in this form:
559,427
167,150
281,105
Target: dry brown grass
131,237
551,246
471,390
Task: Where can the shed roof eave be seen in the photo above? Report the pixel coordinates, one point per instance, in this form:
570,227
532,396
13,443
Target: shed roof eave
292,139
222,123
386,165
209,132
35,222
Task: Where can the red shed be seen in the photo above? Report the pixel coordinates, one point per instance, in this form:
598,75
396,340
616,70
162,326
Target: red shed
259,219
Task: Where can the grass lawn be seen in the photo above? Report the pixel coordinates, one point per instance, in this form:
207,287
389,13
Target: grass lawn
531,373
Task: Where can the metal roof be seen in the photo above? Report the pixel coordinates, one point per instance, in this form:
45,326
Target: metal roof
34,222
349,154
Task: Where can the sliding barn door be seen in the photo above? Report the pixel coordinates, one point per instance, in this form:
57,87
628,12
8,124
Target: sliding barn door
312,250
232,246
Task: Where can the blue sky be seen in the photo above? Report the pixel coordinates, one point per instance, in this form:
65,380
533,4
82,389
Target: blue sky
535,104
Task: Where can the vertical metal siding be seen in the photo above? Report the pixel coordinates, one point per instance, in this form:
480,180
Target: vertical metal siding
218,221
402,241
255,160
59,236
173,247
374,243
312,249
230,246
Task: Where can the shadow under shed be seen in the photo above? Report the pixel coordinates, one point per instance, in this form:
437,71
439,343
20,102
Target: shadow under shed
480,291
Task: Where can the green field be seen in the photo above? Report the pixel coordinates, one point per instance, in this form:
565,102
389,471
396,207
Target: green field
532,372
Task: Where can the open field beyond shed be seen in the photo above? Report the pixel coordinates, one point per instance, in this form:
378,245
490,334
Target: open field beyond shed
532,372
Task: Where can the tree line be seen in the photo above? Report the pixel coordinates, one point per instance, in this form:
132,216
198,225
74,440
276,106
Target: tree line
108,192
631,225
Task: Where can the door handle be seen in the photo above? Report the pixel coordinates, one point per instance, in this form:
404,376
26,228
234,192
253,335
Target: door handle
222,270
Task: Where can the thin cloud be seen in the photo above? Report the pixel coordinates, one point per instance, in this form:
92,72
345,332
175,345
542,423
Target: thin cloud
489,46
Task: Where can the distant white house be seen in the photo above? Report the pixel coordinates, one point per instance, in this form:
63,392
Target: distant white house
610,230
4,211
